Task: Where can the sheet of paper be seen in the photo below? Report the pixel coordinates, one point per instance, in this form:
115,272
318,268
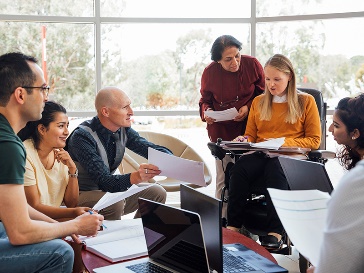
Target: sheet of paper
227,114
178,168
273,143
303,215
111,198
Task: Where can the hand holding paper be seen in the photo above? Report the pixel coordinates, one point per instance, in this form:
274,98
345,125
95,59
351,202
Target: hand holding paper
178,168
111,198
228,114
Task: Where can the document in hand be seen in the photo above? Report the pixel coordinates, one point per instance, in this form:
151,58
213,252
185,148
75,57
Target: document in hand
303,215
227,114
112,197
178,168
122,240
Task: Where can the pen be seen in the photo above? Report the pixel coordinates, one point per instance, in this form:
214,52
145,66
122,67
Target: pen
90,211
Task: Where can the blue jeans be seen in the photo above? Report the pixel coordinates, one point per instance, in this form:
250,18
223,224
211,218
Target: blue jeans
51,256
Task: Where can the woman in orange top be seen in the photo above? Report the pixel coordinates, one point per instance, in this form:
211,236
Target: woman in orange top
281,111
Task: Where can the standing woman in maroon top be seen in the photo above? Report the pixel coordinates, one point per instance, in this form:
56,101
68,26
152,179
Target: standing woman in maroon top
231,80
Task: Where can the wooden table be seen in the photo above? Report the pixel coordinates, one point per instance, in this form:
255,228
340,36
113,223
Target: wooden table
92,261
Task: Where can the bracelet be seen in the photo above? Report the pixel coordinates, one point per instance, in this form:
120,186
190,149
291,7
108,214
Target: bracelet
73,175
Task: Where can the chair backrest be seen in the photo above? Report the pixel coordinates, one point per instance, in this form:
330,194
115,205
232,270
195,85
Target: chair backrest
179,148
321,105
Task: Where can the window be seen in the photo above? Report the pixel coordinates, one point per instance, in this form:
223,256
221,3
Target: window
156,50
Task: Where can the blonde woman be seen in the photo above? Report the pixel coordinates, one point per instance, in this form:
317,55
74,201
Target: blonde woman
281,111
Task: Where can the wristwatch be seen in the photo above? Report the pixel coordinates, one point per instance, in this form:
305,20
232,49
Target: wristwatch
73,175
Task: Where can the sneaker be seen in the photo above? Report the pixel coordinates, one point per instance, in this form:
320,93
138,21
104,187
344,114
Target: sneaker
248,234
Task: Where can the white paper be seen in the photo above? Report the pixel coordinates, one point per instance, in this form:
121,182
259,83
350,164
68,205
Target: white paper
303,215
227,114
185,170
274,143
123,239
111,198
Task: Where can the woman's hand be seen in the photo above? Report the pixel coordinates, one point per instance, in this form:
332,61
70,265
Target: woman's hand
241,139
208,119
77,211
63,156
243,113
311,269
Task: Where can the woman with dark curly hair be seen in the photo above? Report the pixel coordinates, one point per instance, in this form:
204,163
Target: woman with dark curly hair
348,130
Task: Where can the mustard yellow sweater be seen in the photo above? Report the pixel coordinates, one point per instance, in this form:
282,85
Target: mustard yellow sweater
305,133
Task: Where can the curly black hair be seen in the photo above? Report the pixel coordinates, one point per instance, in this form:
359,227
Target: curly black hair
351,112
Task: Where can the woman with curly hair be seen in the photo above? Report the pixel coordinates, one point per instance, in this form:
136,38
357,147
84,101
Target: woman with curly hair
348,130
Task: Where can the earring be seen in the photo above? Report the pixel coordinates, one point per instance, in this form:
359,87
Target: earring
353,137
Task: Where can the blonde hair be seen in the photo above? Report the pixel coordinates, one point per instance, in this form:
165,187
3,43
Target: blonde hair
294,100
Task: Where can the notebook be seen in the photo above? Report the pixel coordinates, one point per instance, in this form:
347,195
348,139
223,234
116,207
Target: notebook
305,175
222,258
174,240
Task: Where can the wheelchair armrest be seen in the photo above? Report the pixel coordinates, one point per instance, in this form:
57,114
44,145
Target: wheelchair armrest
216,150
321,155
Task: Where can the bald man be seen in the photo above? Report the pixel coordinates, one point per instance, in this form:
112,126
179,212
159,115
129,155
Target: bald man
98,145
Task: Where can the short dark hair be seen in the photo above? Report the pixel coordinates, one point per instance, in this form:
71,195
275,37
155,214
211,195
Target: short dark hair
30,130
221,43
15,72
351,112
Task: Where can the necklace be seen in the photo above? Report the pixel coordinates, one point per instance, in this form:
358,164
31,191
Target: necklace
46,165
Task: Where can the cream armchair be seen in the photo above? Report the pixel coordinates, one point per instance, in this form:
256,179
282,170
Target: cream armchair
131,160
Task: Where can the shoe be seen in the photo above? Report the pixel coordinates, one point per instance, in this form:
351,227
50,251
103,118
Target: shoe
248,234
271,242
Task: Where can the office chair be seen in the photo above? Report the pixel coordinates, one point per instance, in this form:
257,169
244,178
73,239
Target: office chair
131,160
255,208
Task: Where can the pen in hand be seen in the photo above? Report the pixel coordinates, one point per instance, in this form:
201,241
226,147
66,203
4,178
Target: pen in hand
90,211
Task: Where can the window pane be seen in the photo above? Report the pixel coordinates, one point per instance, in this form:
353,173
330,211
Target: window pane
301,7
70,58
48,7
160,65
176,9
326,54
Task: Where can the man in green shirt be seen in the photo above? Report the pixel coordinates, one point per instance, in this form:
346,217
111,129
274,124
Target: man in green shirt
27,237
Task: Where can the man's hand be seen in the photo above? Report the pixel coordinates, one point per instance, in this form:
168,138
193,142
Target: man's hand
88,224
144,173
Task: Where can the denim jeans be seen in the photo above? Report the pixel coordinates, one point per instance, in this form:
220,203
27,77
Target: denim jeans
51,256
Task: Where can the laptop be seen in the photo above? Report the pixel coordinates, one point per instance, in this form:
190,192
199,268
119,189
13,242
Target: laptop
222,258
305,174
174,239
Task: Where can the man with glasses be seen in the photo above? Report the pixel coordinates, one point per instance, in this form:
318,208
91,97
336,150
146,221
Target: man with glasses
97,147
27,237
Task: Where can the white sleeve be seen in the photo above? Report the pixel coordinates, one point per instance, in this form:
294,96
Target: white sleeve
343,243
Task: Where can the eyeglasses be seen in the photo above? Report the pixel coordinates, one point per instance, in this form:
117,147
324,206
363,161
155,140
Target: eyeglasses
44,88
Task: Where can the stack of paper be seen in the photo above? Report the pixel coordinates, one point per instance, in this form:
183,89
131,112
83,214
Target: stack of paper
303,215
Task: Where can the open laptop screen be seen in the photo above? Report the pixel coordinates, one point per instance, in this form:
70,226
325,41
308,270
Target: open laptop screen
174,237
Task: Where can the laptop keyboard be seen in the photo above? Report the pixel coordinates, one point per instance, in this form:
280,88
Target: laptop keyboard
147,268
233,264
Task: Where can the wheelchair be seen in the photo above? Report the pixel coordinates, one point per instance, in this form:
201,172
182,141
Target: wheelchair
256,206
